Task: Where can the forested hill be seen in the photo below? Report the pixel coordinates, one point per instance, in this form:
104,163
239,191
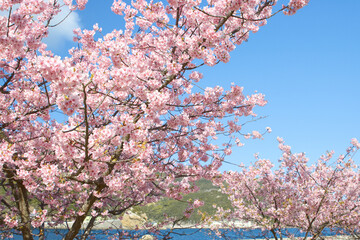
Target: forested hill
208,193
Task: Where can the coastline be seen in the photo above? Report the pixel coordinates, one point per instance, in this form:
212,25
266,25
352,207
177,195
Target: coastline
117,224
113,224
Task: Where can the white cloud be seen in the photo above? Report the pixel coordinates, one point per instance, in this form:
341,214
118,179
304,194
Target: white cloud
63,32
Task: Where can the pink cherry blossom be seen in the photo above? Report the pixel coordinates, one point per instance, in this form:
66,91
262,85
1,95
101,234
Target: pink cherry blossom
295,195
133,128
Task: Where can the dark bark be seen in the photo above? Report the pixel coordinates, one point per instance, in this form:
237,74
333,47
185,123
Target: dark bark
75,228
22,202
88,228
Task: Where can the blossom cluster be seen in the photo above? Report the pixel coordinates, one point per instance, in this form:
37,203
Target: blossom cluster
135,130
308,197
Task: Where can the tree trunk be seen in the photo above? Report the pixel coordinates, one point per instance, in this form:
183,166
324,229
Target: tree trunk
22,202
75,228
88,228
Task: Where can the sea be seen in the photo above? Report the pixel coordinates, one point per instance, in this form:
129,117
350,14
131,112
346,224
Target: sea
182,234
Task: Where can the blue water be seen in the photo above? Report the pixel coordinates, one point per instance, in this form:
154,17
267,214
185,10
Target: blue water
180,234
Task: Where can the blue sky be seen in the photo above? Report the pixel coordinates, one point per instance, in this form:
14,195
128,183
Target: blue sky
307,65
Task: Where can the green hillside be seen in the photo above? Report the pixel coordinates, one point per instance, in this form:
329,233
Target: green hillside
208,193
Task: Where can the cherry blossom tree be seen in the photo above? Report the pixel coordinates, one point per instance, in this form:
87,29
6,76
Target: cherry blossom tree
297,195
135,128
